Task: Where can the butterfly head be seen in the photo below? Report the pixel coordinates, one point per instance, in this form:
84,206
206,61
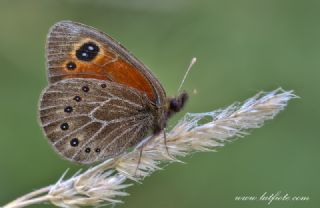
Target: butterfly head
177,103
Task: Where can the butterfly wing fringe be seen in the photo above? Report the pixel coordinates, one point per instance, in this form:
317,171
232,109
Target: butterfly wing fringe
193,133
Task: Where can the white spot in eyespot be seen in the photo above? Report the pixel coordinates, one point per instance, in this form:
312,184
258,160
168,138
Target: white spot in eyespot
90,48
84,54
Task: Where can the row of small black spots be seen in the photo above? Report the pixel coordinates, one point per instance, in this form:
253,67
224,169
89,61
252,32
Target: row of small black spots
69,109
65,126
85,89
75,142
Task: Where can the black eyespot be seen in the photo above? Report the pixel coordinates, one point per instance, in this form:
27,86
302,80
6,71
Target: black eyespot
68,109
74,142
87,150
87,52
77,98
85,89
71,65
64,126
103,85
97,150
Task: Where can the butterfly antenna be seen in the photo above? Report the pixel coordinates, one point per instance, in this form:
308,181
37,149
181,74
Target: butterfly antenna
193,61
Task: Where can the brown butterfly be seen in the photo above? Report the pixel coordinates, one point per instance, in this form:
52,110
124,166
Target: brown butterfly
101,100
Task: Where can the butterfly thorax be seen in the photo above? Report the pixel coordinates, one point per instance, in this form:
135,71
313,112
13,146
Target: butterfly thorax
164,112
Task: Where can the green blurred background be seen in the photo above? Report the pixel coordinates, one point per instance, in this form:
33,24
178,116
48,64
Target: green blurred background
242,46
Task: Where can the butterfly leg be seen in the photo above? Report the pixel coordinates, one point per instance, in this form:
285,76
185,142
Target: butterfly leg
146,143
143,144
139,160
165,144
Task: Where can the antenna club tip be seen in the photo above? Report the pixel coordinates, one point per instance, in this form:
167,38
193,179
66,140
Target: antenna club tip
194,60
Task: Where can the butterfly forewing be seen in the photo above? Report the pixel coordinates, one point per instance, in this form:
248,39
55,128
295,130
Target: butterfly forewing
88,120
75,50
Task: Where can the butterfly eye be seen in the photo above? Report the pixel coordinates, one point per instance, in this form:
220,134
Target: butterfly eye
87,52
174,105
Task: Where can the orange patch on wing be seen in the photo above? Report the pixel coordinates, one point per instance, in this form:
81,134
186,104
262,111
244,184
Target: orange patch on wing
124,73
108,66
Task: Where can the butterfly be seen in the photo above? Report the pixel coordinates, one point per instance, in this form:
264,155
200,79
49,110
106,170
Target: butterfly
101,100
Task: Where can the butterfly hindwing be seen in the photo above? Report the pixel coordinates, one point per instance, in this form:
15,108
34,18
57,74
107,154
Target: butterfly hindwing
89,120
